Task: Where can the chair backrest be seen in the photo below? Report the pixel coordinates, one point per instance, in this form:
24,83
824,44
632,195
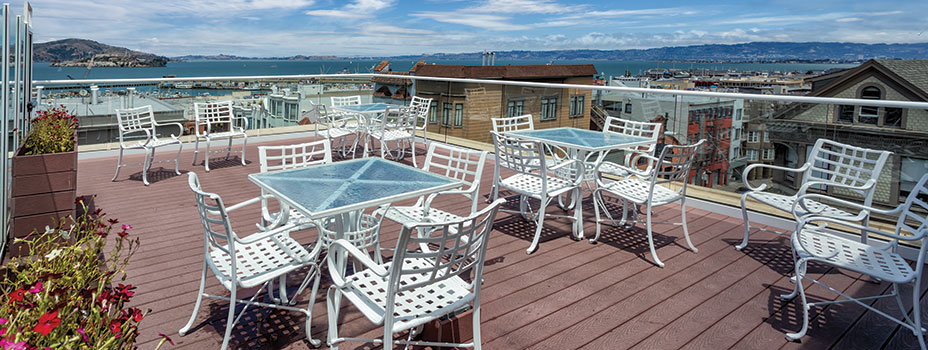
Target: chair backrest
674,165
398,119
845,164
345,100
135,120
522,122
217,230
213,116
914,211
295,156
317,115
458,247
522,157
651,131
460,164
421,107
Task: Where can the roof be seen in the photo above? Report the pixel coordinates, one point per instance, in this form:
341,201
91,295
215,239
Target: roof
392,81
913,71
508,71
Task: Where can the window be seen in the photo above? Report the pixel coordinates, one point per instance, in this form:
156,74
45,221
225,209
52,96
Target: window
878,116
576,106
768,154
738,114
433,112
458,115
549,108
736,153
446,114
628,108
736,133
752,154
753,136
514,108
766,136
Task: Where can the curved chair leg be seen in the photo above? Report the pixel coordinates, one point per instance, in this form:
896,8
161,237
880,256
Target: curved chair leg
596,204
795,291
412,150
747,224
917,313
651,239
309,307
118,164
578,215
231,318
196,307
244,142
149,156
686,232
332,312
229,149
475,318
196,150
804,305
540,223
180,147
206,157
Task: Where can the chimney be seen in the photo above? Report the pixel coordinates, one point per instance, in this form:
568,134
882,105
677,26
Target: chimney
492,58
131,96
94,91
483,58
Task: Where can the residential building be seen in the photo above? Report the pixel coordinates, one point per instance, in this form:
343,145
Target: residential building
464,109
794,130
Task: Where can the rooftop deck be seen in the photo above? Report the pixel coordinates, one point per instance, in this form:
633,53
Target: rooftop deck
567,295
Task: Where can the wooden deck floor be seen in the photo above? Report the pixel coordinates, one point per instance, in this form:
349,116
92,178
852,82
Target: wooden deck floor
567,295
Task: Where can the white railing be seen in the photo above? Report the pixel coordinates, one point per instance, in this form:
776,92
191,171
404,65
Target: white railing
683,93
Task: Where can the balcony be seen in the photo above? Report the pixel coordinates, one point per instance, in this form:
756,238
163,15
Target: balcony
567,295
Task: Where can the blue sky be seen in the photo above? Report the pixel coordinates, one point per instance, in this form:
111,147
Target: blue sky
393,27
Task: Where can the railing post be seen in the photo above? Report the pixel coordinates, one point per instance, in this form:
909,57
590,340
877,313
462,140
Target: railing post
4,130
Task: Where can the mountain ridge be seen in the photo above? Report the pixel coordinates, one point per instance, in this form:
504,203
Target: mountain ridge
76,51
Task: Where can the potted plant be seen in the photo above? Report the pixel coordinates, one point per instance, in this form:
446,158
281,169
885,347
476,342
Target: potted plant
44,173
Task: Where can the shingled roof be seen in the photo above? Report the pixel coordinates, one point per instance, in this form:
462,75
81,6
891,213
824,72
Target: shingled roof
913,71
508,71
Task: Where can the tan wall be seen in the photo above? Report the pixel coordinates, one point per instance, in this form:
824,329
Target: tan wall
484,101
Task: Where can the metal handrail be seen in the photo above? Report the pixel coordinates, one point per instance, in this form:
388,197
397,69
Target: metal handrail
709,94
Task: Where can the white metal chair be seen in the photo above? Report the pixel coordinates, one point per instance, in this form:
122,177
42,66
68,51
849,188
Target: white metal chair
829,165
247,262
420,106
217,121
417,286
338,101
534,179
454,162
397,125
338,127
881,261
141,120
651,187
291,157
617,126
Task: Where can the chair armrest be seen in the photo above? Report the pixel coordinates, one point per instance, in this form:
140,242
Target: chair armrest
578,177
148,136
248,202
864,210
744,176
244,119
343,246
180,127
261,235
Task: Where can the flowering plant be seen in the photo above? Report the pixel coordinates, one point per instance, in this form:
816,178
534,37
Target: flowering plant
63,296
52,131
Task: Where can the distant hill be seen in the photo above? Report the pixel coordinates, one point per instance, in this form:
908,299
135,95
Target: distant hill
748,52
76,51
224,57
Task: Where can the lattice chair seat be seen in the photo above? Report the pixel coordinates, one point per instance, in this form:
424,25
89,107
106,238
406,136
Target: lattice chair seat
636,191
368,292
260,261
785,203
417,214
152,143
531,185
335,133
610,168
854,256
390,135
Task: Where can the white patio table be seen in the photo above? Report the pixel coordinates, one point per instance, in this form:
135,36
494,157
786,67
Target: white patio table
588,146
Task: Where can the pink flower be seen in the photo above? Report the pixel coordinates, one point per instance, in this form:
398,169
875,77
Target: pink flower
84,336
126,227
37,288
47,323
6,344
166,338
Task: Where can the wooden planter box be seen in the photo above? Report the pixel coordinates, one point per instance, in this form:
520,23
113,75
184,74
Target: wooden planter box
43,191
454,329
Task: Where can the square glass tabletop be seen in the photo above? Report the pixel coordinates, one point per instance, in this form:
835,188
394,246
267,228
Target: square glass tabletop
580,139
366,108
345,186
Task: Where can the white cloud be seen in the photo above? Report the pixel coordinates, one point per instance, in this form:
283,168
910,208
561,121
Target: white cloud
524,7
492,22
356,9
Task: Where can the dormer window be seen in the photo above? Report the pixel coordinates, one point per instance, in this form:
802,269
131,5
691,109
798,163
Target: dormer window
871,115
